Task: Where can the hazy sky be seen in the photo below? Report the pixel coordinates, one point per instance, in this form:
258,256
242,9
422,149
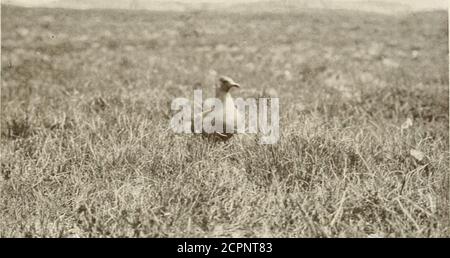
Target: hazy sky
415,4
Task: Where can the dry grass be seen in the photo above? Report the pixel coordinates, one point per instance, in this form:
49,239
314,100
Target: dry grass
86,150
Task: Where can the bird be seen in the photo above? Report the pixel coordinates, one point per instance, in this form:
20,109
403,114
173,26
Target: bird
228,109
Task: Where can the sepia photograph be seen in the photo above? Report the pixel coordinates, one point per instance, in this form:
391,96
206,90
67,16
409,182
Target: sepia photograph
256,119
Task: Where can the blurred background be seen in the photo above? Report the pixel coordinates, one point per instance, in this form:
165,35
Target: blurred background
380,6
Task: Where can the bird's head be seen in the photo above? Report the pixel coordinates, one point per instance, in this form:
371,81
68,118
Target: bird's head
226,83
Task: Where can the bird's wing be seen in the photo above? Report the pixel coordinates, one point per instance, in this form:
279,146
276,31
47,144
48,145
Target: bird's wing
204,113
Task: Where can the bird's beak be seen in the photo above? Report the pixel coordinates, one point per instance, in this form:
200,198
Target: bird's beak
235,85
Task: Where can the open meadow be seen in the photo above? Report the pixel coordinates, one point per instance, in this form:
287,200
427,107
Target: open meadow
86,149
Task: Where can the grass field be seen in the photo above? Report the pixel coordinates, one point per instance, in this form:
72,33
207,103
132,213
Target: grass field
86,149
